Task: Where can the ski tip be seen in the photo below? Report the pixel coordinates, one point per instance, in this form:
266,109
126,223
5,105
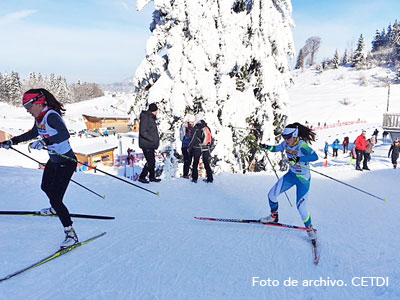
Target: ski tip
104,197
158,194
384,200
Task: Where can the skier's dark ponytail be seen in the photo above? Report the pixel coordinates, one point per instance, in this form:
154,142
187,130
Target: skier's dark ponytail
305,133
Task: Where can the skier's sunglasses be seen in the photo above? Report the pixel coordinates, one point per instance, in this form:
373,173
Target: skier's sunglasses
287,136
28,105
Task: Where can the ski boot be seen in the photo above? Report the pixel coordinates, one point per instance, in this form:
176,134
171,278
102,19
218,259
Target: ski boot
311,232
272,218
70,237
47,211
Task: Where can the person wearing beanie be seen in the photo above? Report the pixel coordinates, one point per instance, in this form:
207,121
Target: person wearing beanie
54,136
186,133
153,107
149,141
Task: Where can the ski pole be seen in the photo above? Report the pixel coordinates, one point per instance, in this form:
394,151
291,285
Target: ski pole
346,184
77,183
276,174
104,172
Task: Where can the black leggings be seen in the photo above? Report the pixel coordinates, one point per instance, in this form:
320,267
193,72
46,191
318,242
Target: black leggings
56,177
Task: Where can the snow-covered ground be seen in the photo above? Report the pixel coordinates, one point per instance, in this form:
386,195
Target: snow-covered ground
154,249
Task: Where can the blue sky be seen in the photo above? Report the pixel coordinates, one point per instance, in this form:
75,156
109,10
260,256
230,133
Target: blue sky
89,40
104,40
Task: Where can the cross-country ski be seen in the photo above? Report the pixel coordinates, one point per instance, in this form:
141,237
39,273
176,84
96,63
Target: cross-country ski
252,221
38,214
55,255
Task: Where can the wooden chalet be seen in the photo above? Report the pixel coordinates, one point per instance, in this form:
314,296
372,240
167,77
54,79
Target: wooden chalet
95,153
98,123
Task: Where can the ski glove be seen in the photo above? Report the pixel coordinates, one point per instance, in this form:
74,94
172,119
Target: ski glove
6,144
294,160
264,146
38,145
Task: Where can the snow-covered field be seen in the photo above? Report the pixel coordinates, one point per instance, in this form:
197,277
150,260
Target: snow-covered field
154,249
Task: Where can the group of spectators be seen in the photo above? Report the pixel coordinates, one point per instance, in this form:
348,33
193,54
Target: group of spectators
363,148
196,139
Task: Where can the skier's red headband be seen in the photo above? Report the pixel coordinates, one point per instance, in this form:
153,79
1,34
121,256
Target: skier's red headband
29,99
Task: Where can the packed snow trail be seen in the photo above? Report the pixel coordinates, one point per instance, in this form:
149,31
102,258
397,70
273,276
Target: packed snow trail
156,250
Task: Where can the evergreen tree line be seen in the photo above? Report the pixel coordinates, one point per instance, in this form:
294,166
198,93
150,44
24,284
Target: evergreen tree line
385,51
12,88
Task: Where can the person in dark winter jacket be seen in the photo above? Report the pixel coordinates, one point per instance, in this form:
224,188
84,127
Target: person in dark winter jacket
345,144
376,131
149,141
198,148
186,134
394,151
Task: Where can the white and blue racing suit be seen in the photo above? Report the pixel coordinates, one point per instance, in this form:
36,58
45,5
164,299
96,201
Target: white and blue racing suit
298,175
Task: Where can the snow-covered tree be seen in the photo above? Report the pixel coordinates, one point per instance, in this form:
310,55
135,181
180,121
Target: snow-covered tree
300,60
225,60
313,44
377,41
346,57
360,54
336,60
12,88
2,89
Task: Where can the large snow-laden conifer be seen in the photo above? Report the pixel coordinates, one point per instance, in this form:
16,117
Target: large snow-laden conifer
225,60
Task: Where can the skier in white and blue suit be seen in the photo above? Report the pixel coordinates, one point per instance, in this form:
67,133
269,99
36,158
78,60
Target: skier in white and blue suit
300,154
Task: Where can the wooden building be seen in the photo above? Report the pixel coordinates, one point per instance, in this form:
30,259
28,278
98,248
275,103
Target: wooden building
4,136
95,153
100,123
8,133
391,124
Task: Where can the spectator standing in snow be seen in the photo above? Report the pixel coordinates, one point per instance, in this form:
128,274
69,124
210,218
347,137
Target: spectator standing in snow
200,149
384,135
361,145
54,135
370,146
345,144
128,158
186,134
376,131
335,147
326,149
149,141
394,152
296,139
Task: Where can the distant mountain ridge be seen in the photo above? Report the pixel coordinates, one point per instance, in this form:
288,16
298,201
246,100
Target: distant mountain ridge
124,86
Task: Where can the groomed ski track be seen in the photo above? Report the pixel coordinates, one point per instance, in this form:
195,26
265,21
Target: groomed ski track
156,250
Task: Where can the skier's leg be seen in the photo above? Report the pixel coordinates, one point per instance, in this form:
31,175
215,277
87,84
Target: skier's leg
281,186
302,188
